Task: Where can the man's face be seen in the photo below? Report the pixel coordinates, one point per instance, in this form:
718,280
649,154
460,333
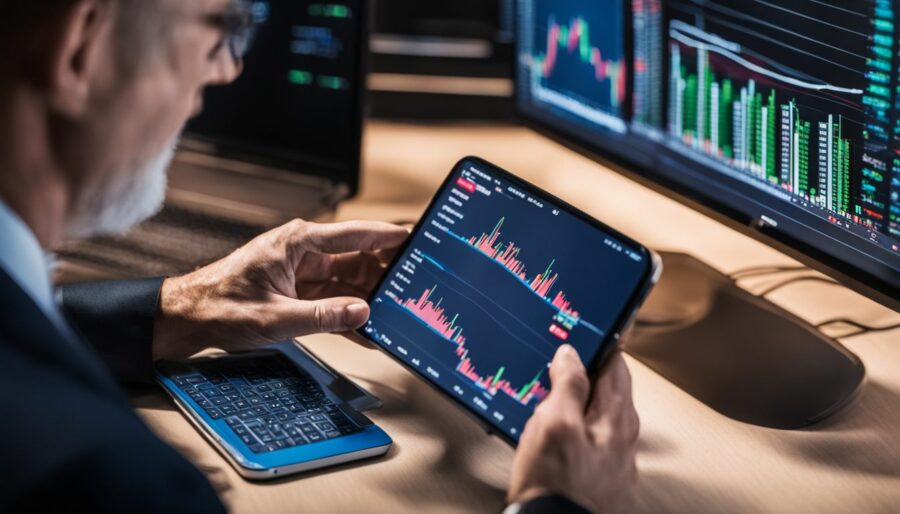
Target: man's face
121,146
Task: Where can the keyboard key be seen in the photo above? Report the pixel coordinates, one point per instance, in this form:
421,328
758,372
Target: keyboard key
325,427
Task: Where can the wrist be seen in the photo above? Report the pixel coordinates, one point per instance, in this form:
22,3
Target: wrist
174,328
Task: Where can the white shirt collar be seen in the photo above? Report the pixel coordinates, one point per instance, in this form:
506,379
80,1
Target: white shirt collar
22,257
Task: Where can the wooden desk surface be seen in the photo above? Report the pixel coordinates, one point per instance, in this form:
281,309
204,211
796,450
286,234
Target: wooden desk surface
691,458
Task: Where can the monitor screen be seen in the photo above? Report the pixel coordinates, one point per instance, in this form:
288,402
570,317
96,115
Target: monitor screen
782,116
494,279
297,104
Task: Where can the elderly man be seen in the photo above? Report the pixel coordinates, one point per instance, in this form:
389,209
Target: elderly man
92,98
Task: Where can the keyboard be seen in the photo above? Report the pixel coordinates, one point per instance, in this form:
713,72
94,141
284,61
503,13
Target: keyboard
175,241
267,401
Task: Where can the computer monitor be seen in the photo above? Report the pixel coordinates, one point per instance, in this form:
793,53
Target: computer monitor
781,119
298,104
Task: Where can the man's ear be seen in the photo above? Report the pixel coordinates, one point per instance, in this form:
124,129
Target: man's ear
74,53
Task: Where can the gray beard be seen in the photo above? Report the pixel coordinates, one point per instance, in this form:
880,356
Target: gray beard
115,207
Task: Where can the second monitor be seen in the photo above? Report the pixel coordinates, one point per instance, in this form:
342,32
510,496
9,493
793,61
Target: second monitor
780,120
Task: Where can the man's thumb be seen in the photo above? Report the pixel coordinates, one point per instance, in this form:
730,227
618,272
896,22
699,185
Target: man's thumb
342,314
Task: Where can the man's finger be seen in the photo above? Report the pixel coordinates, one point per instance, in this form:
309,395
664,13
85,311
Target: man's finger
330,289
350,236
569,381
387,255
357,269
612,409
295,318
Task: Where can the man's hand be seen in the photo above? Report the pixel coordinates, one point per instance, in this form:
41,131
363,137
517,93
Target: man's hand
585,452
299,279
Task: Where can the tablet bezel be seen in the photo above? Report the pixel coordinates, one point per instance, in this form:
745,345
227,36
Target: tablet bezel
610,342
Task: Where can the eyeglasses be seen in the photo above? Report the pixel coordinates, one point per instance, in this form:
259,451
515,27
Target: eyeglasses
239,23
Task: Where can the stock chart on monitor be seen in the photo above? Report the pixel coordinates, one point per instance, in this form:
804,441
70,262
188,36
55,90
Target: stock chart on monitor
787,110
493,282
805,108
575,60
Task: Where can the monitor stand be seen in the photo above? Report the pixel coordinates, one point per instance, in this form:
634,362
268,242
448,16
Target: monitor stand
738,353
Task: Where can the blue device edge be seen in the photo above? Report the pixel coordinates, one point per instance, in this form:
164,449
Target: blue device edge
370,437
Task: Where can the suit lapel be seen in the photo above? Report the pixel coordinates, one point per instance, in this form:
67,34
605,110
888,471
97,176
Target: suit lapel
25,325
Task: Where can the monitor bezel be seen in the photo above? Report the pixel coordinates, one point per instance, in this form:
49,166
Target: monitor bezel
286,160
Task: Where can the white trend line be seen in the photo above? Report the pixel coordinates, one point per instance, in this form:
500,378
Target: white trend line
705,36
676,35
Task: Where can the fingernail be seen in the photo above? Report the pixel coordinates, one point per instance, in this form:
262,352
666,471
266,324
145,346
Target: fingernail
566,349
357,313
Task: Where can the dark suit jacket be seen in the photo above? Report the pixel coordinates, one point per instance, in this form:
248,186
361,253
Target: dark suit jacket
69,439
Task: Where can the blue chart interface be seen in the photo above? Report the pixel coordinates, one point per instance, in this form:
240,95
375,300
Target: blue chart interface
574,59
490,286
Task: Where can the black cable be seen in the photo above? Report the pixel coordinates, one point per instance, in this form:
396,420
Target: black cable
755,271
796,280
861,327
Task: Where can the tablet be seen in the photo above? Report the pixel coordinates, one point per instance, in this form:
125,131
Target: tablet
494,278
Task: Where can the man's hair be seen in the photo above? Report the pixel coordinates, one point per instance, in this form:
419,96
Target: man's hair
24,25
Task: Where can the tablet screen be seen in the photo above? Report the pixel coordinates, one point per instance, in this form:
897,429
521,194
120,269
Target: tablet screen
493,280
